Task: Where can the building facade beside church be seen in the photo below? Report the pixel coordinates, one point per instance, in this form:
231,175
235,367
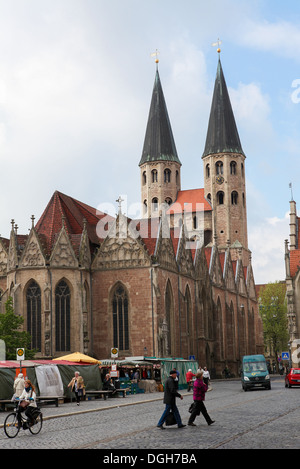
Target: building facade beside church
292,271
176,283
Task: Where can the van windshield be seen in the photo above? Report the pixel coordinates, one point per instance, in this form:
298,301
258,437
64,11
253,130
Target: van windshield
249,367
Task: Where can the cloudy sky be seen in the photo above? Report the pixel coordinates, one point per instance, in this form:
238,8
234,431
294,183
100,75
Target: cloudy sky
76,79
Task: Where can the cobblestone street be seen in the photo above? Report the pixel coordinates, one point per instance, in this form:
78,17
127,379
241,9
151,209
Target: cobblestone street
242,420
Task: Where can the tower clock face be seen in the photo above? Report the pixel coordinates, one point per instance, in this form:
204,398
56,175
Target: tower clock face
219,179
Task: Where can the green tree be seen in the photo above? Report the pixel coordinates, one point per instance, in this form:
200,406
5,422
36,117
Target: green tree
273,312
11,333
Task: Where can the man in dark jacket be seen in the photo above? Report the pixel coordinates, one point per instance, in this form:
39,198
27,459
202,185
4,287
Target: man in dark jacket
170,395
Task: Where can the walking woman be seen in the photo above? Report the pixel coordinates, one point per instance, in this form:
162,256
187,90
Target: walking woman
77,385
200,389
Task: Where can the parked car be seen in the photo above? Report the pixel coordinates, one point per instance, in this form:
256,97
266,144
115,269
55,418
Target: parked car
292,378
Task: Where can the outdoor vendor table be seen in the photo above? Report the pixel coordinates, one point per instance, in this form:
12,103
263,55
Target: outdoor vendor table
149,385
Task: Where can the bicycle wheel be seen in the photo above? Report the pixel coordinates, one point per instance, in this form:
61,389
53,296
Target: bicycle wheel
11,425
37,426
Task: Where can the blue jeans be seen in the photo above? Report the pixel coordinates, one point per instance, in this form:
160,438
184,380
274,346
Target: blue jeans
166,412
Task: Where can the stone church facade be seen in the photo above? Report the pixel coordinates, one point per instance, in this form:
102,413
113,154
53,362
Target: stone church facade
176,283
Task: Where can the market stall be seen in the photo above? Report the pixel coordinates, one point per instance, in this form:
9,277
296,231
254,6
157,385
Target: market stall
48,376
133,373
180,364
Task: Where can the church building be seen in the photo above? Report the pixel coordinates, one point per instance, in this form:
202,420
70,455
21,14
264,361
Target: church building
178,282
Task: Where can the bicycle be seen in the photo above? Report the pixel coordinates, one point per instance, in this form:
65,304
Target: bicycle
15,421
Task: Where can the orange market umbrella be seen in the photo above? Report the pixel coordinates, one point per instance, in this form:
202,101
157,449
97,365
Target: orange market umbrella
78,357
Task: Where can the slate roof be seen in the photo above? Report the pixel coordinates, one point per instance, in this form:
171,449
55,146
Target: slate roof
222,134
159,144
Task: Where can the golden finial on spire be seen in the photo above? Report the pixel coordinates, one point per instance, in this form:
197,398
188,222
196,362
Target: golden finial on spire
155,54
218,43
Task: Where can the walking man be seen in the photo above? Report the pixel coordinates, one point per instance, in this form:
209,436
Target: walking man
170,394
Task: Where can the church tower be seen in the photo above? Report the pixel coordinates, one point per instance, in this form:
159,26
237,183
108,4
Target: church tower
159,164
224,173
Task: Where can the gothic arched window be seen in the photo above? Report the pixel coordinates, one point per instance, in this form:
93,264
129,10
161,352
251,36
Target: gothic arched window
33,300
62,316
188,309
169,312
120,319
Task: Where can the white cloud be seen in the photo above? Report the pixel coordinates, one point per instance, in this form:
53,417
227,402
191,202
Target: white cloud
266,241
252,112
282,38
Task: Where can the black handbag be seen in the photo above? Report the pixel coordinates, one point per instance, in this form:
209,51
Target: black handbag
170,420
191,408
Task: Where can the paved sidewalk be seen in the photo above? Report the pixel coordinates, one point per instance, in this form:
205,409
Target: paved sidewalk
94,405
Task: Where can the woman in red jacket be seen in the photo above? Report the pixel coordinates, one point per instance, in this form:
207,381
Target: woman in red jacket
189,379
200,389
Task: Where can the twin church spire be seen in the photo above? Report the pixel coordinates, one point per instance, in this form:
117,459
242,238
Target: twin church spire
159,144
223,164
222,134
159,164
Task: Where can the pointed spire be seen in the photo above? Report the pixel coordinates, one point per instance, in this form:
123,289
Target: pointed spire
159,143
222,135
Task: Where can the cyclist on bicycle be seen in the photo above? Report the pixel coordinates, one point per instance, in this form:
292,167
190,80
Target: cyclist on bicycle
28,401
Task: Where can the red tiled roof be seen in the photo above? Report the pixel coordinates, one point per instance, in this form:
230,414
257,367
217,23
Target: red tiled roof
148,229
74,213
190,201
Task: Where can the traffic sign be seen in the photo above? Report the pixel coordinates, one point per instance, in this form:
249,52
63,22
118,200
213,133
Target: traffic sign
114,352
20,354
285,355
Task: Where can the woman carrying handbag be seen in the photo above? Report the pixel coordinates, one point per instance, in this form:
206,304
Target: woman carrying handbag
200,389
